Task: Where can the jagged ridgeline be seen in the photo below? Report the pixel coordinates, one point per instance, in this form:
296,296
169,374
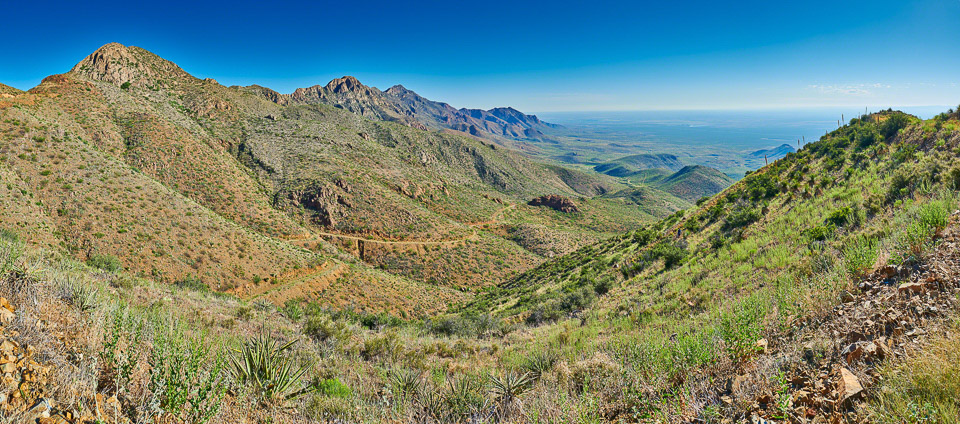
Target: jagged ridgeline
341,193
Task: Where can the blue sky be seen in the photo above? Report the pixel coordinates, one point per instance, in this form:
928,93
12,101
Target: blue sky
536,56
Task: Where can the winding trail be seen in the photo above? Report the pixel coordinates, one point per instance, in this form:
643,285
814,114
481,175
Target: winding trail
494,219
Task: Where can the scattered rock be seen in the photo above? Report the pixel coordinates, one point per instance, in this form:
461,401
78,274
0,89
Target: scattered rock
911,288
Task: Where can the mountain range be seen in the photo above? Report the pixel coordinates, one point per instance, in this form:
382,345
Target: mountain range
399,104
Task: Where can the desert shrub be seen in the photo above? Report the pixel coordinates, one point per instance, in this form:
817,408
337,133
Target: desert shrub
840,217
671,253
603,285
450,326
125,85
556,308
921,226
761,186
741,326
322,328
859,255
120,350
383,345
181,383
691,225
292,310
934,215
819,233
894,124
741,216
905,152
866,137
104,262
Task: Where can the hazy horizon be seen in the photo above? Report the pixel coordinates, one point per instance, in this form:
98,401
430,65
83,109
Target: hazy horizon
563,57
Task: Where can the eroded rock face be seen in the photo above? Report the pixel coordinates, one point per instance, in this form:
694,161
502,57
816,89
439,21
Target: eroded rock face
324,202
555,202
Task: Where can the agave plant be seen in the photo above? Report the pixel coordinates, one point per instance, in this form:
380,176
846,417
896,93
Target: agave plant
262,364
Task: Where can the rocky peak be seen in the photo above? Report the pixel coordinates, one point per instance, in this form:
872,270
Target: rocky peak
113,63
345,84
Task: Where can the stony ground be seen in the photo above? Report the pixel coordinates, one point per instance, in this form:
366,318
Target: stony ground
833,359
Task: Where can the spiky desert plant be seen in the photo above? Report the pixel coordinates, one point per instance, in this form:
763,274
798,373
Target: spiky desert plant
507,389
263,365
539,363
432,404
406,382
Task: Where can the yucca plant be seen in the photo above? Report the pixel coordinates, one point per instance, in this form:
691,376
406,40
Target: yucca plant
262,365
507,390
539,363
432,404
405,381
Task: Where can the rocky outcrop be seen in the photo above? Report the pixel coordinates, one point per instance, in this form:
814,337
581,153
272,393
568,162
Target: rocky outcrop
325,203
555,202
117,64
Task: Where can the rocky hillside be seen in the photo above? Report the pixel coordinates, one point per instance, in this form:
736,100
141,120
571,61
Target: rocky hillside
128,156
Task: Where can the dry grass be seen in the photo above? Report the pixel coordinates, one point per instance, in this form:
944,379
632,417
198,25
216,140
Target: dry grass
924,388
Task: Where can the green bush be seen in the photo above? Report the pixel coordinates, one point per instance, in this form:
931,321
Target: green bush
840,217
859,255
741,216
894,124
104,262
322,328
819,233
180,378
191,282
332,387
125,85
